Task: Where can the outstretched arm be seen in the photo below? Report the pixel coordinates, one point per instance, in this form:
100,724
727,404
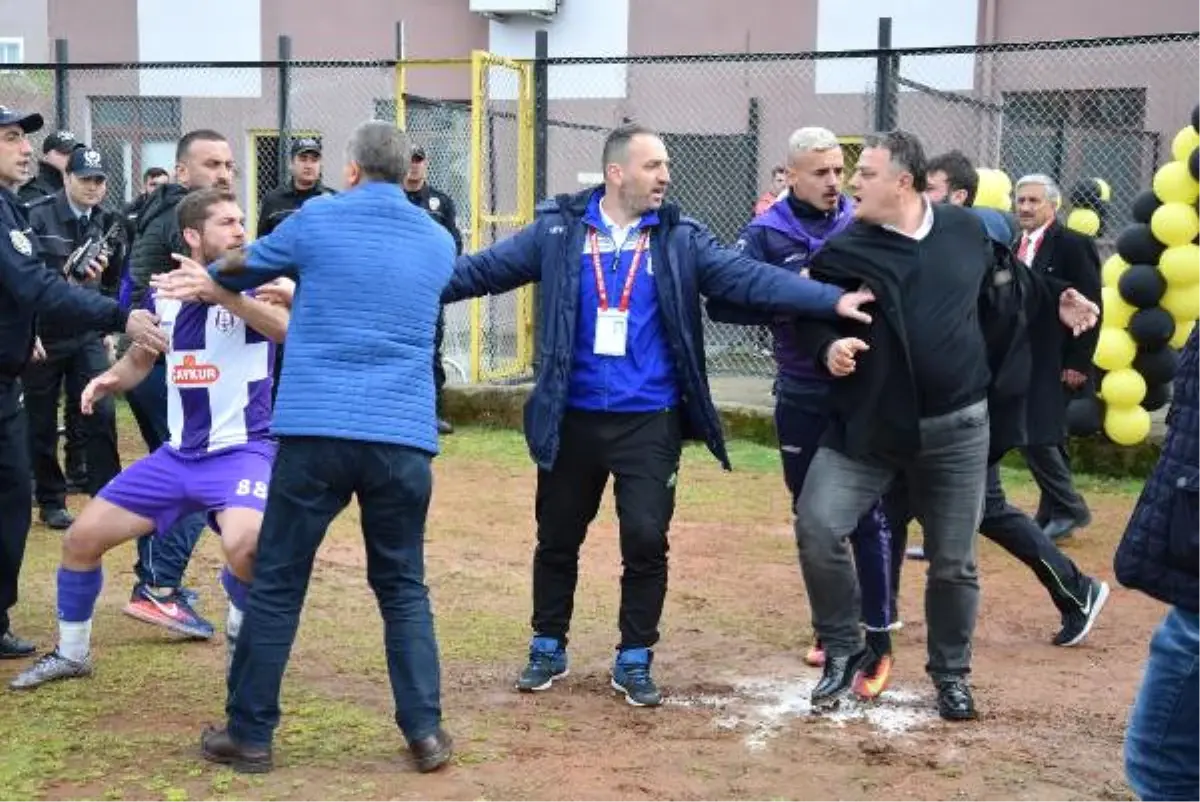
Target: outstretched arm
508,264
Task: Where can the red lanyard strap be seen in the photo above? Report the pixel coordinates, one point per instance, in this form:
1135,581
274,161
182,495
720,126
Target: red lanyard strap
601,290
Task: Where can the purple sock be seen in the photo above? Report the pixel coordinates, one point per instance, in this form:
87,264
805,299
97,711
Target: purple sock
237,590
77,593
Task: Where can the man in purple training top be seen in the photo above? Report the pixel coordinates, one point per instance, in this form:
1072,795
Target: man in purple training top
219,457
787,234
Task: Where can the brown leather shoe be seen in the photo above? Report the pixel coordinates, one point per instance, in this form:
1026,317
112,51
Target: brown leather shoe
218,747
433,751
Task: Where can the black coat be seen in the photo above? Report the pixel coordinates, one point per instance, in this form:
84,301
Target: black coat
1070,259
282,201
49,179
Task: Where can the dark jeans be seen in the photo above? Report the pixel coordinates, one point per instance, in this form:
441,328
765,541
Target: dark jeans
641,451
801,415
439,370
1161,741
1015,532
1051,469
14,493
312,481
946,479
45,382
163,557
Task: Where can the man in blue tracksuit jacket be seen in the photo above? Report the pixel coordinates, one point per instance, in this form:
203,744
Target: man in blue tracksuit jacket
788,234
622,381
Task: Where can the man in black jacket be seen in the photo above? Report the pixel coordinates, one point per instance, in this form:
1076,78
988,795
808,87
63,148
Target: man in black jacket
28,291
63,223
1063,365
912,399
441,208
56,149
203,159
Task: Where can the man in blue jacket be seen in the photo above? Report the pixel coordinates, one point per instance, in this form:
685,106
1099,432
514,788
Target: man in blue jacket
787,234
622,380
371,267
1158,556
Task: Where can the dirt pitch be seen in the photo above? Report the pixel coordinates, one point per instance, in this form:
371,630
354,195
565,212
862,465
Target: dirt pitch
735,724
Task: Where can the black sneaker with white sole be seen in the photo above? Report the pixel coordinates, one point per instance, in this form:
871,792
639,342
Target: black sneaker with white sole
1078,619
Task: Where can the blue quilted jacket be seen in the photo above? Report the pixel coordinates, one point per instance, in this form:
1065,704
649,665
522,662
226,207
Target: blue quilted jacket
1158,554
371,267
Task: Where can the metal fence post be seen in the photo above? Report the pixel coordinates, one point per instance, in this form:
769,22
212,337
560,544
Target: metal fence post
887,67
62,88
541,166
285,106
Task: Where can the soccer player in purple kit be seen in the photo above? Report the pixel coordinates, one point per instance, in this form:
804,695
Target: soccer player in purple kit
220,453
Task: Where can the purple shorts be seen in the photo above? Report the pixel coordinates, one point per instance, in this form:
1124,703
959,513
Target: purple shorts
167,486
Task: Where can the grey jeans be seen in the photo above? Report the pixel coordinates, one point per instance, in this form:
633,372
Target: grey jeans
946,484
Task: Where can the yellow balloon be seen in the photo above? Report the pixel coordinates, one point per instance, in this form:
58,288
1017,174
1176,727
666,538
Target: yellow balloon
1123,388
1115,312
1182,332
1175,223
1182,302
1085,221
1179,265
1174,184
1184,143
1115,349
1105,190
1113,267
991,193
1126,426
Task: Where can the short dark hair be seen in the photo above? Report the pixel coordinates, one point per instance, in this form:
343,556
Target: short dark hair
199,135
154,172
960,173
906,152
193,209
616,144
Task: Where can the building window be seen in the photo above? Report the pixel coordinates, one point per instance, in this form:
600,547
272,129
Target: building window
12,50
1075,135
136,133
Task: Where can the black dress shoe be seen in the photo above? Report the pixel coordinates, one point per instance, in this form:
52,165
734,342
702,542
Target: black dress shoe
954,699
12,647
432,752
445,426
56,518
218,747
836,679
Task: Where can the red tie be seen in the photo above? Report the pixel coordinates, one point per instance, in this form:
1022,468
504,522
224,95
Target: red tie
1023,251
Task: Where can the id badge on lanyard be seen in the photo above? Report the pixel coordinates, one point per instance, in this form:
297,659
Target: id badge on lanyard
612,325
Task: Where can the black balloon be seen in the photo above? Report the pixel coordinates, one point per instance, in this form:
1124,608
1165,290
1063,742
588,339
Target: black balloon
1196,119
1194,163
1152,328
1137,245
1157,397
1157,366
1144,205
1142,286
1085,416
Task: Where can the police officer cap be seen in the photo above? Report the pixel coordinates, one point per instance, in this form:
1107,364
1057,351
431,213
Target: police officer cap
29,122
306,144
62,141
85,163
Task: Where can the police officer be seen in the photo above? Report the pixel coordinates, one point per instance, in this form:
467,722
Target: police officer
56,150
305,184
282,201
29,290
63,223
439,205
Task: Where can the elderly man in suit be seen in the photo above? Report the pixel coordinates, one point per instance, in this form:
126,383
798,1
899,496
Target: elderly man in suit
1064,366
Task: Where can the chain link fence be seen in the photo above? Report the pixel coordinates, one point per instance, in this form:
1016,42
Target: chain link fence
1074,110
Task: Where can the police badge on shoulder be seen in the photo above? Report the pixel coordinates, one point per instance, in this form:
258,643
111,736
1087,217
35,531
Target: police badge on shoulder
20,242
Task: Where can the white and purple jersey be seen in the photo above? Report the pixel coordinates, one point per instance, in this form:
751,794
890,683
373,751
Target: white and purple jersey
219,374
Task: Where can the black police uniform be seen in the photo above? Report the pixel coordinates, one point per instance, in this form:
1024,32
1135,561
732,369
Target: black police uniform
49,179
440,208
27,289
73,359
